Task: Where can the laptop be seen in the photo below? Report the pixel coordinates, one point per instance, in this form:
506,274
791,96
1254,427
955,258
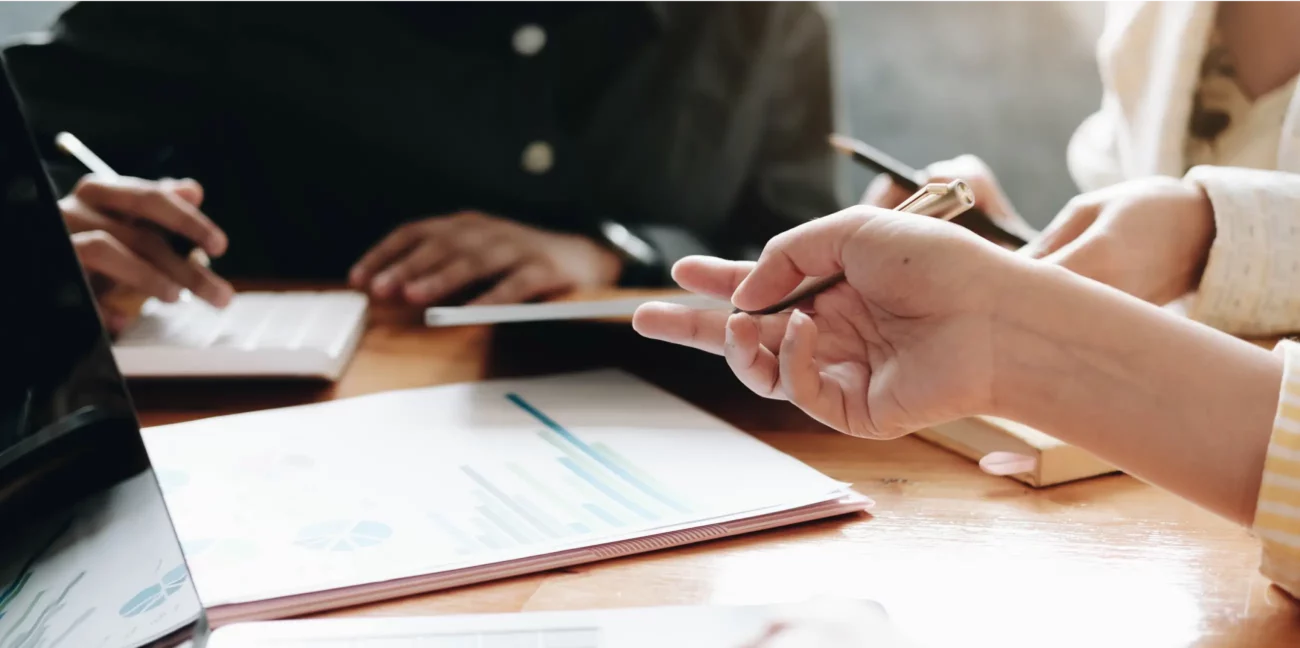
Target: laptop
89,557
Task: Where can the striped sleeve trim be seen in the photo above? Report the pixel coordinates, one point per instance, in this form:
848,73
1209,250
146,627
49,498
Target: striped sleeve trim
1277,515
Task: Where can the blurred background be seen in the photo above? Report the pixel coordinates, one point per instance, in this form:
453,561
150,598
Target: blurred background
1008,81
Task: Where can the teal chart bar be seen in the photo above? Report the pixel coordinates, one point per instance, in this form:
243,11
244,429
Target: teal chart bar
526,505
604,456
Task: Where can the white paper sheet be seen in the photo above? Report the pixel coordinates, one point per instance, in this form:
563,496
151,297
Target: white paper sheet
105,575
407,483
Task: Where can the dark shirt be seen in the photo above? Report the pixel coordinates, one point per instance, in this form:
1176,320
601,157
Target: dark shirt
317,128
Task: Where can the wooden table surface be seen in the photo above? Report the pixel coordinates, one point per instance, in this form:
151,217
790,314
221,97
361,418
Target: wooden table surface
957,557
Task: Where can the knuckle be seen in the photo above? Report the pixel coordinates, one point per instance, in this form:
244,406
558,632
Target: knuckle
97,245
87,187
148,199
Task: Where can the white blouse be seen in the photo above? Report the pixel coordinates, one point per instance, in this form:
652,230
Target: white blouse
1171,107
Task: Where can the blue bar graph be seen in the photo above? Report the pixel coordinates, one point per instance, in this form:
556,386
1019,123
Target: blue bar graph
600,513
566,504
609,491
588,489
519,509
492,536
464,543
610,464
504,525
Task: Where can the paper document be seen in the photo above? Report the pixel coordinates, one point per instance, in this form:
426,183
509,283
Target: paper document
375,488
115,547
467,315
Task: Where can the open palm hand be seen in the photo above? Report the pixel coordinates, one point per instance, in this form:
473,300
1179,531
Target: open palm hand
903,343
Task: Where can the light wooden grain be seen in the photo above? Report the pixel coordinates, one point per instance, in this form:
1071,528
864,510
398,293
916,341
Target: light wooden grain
958,557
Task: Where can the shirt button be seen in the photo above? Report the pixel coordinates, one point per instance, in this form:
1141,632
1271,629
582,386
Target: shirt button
538,158
529,40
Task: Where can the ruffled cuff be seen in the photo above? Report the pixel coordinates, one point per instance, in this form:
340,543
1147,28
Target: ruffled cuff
1251,283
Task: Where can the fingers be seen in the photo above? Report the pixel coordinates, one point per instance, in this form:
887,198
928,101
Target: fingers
470,267
801,380
392,247
884,192
103,254
710,276
188,272
810,250
753,364
188,189
969,168
1071,223
419,260
705,330
149,248
524,283
153,202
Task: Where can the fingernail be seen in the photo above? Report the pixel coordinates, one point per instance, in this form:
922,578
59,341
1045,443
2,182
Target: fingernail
1007,463
173,293
415,293
381,284
227,293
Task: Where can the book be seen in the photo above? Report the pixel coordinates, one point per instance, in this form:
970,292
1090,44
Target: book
1055,462
303,509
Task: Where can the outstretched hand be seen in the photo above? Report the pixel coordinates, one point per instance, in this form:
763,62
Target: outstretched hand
903,343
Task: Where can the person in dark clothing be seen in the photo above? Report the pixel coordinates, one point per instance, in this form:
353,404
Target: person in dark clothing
420,149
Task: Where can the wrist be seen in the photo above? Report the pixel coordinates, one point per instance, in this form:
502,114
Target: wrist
1034,319
609,266
1201,226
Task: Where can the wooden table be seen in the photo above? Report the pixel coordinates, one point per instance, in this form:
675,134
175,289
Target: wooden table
958,557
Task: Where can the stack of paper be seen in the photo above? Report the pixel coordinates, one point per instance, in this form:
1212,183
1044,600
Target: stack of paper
296,510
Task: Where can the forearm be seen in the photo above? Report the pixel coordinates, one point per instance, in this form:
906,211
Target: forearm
1165,399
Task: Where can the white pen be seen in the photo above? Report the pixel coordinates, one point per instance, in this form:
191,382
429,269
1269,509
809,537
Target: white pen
68,143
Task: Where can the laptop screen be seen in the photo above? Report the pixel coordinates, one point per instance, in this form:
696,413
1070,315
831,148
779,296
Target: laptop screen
88,555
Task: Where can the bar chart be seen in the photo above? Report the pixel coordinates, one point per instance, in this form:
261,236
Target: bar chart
583,489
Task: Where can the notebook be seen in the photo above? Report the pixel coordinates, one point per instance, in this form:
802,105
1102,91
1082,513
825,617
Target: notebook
298,510
258,335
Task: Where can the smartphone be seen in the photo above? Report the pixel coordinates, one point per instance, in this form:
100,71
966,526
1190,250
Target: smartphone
911,179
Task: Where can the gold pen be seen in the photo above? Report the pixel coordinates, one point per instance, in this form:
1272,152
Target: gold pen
937,200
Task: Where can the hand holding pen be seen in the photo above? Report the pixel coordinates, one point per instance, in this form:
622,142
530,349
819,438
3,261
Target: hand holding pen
139,238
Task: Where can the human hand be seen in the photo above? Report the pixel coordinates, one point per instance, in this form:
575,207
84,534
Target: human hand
1148,237
429,259
905,342
115,223
989,197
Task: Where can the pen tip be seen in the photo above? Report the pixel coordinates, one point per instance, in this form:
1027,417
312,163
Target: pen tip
841,143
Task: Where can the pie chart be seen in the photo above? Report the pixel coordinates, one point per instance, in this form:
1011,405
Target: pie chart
343,535
156,594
